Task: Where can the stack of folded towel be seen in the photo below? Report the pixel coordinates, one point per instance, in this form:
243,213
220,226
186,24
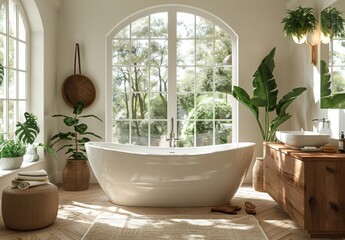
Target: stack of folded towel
27,179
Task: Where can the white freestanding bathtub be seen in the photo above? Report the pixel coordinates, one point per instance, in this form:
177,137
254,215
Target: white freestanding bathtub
170,177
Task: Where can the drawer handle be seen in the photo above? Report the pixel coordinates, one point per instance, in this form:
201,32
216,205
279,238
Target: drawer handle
334,207
330,170
311,201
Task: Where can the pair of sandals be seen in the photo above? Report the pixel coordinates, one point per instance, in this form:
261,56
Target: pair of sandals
229,209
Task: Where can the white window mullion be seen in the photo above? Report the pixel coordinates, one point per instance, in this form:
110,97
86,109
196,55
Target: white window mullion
172,89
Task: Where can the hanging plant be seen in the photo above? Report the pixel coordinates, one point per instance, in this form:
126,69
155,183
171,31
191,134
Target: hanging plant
332,22
299,22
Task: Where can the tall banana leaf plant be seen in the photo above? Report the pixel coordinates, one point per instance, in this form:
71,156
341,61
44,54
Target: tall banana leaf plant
265,96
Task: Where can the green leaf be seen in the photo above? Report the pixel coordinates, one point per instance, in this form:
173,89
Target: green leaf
288,99
70,121
78,108
242,96
80,128
265,92
27,131
325,79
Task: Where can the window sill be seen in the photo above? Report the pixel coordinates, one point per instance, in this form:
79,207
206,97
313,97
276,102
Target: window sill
4,173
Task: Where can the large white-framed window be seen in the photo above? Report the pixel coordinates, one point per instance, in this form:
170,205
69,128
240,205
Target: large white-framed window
171,69
13,56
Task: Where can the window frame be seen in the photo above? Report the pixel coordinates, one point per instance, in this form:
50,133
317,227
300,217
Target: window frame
171,70
18,114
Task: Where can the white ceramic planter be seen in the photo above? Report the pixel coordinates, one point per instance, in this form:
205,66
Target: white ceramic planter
11,163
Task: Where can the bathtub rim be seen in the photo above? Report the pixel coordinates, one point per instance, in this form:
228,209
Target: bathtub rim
166,151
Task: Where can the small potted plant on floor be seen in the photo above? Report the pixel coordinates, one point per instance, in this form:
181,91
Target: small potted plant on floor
11,154
76,173
298,23
265,96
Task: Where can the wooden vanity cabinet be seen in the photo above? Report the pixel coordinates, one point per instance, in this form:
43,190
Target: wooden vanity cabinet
309,186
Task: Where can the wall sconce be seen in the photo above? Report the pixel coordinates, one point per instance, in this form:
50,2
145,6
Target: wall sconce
332,24
297,24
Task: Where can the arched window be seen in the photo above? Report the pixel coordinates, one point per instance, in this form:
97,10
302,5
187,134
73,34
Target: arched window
13,56
171,73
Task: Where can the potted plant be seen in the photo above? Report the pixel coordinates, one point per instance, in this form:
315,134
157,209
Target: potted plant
332,23
27,132
11,154
76,173
265,96
299,22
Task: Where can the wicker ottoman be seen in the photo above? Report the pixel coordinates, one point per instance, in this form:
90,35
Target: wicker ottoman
30,209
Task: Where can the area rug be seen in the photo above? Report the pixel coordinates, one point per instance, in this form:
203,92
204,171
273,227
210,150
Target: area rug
111,226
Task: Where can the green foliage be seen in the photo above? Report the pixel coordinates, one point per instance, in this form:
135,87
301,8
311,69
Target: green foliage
27,131
265,94
11,148
204,110
77,137
332,22
299,22
329,100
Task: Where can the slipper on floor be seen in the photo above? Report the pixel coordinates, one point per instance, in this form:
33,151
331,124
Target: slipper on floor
227,208
250,207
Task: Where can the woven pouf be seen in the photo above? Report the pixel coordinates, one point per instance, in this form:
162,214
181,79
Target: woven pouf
30,209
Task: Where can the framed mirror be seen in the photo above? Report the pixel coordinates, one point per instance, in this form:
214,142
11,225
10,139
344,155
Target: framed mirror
332,50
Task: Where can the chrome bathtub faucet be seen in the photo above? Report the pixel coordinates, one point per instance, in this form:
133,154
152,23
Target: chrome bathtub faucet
172,140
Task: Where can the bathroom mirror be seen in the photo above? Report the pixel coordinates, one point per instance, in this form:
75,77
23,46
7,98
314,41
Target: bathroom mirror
332,65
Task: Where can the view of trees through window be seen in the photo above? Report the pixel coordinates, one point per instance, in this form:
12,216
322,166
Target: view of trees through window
13,45
337,64
172,65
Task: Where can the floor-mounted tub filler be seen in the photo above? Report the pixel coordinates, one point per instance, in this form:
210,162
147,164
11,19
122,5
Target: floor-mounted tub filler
170,177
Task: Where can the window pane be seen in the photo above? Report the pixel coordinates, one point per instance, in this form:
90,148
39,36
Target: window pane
338,79
185,52
139,77
185,106
121,106
121,132
121,52
222,79
159,79
204,133
204,52
223,50
186,133
139,105
3,18
223,132
204,78
338,52
3,50
3,115
22,32
121,79
158,104
22,84
11,116
185,25
140,52
158,131
12,61
22,56
124,33
12,84
204,28
159,25
185,79
12,19
4,85
139,133
159,52
140,28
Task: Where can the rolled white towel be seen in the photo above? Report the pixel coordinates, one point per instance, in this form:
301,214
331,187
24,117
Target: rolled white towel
37,173
27,184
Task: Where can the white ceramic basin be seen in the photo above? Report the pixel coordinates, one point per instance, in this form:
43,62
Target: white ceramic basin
299,139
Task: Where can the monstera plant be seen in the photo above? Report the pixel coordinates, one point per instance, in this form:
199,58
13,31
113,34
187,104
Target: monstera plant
265,96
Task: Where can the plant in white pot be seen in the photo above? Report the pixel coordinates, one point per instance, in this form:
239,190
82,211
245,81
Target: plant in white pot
76,173
265,100
27,132
11,154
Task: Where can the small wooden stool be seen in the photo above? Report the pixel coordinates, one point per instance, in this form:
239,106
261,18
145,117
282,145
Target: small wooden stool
30,209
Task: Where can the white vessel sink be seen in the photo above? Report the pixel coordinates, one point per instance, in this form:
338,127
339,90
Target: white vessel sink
299,139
